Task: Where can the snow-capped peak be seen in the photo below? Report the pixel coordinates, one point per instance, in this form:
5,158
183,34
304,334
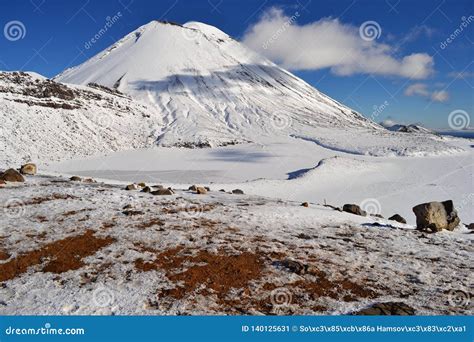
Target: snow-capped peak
212,90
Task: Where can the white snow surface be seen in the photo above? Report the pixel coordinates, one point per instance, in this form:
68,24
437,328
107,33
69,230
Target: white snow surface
211,90
300,170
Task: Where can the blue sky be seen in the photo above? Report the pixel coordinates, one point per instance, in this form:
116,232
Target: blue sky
55,32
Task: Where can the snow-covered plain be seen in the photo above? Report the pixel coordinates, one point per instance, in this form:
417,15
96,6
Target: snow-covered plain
296,169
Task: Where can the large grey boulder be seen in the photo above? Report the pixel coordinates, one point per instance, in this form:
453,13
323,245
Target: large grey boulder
28,169
354,209
436,216
12,175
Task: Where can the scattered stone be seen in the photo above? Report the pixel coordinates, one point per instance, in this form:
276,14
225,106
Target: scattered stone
221,190
305,204
141,185
470,226
387,309
293,266
132,187
201,191
132,212
28,169
237,192
397,218
303,236
192,188
12,175
162,192
377,215
436,216
354,209
75,179
207,188
89,180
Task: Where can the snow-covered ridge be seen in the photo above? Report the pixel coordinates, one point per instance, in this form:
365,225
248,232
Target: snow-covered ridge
46,121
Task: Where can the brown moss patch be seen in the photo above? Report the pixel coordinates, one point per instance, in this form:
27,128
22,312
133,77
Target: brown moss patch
4,255
150,223
39,200
215,273
61,255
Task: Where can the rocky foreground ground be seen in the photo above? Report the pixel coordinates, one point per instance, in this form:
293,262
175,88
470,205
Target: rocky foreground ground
80,247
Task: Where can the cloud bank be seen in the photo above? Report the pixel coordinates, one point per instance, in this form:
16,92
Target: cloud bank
328,43
421,89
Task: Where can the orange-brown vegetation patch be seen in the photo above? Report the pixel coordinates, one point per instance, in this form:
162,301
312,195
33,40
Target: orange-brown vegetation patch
75,212
61,255
150,223
4,255
215,273
39,200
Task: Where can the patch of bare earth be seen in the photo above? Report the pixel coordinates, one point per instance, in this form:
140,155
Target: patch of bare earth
60,256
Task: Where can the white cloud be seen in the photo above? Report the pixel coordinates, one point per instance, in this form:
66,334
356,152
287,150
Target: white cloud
440,96
421,89
328,43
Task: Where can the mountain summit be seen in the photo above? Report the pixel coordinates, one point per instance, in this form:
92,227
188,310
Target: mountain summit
210,90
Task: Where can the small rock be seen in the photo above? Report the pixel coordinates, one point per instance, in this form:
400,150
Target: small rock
147,189
237,192
132,212
303,236
28,169
162,192
436,216
12,175
207,188
294,266
221,190
201,191
192,188
128,206
132,187
387,309
89,180
75,179
470,226
305,204
397,218
377,215
354,209
141,185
